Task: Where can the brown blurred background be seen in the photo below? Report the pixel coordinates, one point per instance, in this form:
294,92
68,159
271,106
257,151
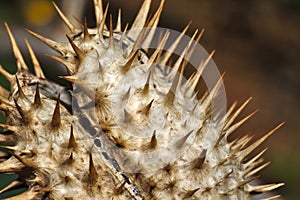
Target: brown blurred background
257,44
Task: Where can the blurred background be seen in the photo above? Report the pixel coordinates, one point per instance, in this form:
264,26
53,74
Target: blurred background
257,44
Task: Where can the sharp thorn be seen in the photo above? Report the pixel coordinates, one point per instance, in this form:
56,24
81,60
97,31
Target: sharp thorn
127,67
98,11
11,79
21,93
22,112
87,36
55,122
72,141
111,33
37,96
19,58
70,26
36,65
146,109
70,67
80,54
179,144
140,20
235,115
102,23
119,22
93,176
253,146
61,48
127,117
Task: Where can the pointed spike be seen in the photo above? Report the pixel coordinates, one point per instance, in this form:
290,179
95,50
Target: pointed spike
111,33
55,122
127,117
200,70
190,193
21,93
241,143
119,22
93,175
146,86
102,23
273,197
23,114
235,115
98,11
127,67
126,96
70,67
153,24
213,93
255,158
69,160
61,48
29,194
11,186
19,58
146,109
154,57
72,141
80,54
197,163
70,26
169,98
79,24
153,142
244,182
264,188
123,36
87,36
37,96
36,65
192,49
253,146
179,144
11,165
140,20
155,19
256,170
232,128
172,48
11,79
10,128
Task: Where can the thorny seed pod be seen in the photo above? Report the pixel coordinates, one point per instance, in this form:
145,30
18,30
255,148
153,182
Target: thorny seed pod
133,127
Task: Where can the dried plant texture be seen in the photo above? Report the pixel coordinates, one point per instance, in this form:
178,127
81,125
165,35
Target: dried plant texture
130,129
